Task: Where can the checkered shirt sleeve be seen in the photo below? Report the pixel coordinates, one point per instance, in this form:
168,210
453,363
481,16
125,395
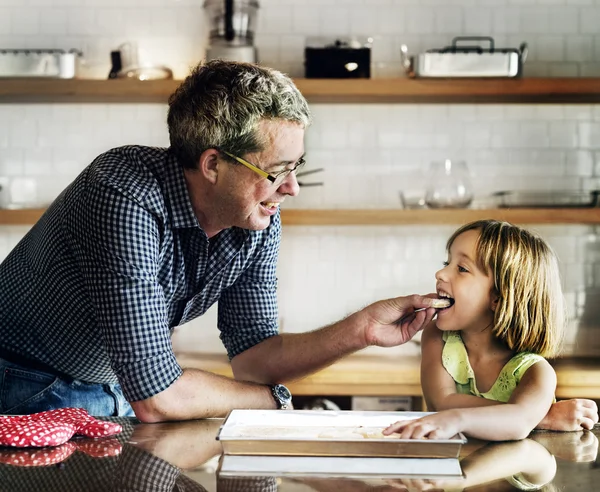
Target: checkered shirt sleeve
95,289
248,310
119,258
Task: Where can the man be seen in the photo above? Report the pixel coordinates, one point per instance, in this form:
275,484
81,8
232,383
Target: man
146,239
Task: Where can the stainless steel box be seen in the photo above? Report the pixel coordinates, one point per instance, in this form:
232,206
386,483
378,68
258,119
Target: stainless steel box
467,65
38,63
460,60
337,466
327,433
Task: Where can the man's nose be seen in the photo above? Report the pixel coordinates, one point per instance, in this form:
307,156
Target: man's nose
290,185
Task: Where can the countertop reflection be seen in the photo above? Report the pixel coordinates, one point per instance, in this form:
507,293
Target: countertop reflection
183,456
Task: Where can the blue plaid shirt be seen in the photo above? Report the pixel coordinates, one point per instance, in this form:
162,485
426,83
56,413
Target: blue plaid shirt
96,287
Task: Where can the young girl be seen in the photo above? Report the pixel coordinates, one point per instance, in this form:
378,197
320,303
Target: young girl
489,346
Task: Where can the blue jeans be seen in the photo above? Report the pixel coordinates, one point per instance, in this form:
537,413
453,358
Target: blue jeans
24,390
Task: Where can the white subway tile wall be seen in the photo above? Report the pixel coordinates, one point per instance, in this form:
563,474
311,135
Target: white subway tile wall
368,152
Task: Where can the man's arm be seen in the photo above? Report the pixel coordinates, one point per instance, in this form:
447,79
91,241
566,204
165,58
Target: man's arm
292,356
199,394
166,441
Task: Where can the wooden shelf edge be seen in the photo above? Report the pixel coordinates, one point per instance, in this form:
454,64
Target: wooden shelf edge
357,375
26,216
14,90
405,90
316,217
389,217
391,90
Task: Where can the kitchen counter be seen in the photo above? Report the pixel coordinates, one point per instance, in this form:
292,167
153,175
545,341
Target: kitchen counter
185,455
369,375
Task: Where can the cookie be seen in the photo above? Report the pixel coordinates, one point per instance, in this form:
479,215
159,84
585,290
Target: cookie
441,303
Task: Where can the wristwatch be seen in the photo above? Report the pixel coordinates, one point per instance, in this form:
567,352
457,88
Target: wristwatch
282,396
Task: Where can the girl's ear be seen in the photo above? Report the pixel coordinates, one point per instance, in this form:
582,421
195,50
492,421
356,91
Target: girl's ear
495,301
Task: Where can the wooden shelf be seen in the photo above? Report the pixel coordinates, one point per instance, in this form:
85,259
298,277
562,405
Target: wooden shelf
78,91
21,217
368,375
400,90
526,90
348,217
431,217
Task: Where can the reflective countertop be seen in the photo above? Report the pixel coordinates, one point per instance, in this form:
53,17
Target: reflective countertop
184,456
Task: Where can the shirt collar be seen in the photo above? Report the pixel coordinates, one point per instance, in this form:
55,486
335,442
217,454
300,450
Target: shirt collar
177,194
181,206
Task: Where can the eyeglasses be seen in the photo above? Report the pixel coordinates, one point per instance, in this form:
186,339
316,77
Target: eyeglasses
276,179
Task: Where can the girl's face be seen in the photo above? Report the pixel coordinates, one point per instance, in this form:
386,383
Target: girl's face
471,289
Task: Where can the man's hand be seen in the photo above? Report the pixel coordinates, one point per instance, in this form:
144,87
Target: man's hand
395,321
570,415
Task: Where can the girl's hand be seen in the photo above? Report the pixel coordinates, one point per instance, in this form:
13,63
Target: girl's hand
441,425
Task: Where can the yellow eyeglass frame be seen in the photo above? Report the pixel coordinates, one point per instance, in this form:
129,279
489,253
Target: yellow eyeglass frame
272,178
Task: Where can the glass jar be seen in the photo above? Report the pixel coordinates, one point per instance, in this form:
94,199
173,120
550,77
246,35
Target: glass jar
449,185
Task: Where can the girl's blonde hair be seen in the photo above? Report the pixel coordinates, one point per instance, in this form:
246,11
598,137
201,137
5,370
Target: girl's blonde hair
530,314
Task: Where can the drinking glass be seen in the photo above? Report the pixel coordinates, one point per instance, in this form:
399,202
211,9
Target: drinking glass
449,185
414,187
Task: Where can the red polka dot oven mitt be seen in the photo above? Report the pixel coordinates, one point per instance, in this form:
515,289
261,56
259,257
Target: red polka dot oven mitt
52,428
37,457
26,457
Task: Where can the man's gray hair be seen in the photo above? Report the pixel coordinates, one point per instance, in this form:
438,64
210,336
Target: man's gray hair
220,104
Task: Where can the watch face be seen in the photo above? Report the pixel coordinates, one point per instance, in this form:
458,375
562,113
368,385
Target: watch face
283,393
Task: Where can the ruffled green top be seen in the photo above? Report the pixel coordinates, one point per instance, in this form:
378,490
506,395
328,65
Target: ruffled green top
456,361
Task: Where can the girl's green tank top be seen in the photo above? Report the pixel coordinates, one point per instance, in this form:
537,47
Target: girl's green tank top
456,361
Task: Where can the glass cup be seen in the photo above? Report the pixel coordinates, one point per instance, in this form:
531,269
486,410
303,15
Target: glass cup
414,187
449,185
412,199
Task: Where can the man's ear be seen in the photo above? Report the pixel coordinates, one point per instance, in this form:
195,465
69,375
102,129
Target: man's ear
208,165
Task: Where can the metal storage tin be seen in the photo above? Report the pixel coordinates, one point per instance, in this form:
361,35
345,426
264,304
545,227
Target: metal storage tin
547,199
336,466
38,63
460,60
326,433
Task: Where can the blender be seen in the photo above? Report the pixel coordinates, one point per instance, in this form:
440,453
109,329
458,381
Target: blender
232,25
